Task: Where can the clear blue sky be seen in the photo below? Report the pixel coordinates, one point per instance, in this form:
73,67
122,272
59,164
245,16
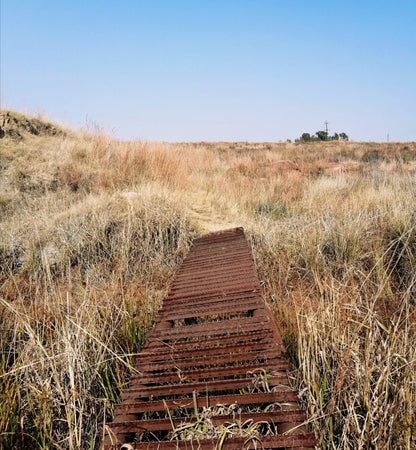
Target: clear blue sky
214,70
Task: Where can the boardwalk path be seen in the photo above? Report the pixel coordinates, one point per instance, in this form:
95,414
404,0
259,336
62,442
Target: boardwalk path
212,367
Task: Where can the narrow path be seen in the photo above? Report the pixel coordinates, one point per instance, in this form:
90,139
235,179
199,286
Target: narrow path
212,372
205,217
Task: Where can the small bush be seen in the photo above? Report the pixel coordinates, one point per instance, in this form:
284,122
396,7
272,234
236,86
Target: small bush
405,155
374,157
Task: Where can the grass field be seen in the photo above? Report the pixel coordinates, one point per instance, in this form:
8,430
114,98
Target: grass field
93,229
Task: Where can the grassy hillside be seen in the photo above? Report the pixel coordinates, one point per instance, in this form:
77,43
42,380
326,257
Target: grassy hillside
92,231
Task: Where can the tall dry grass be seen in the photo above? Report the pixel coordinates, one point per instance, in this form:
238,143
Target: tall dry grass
91,233
341,276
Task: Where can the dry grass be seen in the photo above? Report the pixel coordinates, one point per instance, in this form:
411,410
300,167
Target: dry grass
92,230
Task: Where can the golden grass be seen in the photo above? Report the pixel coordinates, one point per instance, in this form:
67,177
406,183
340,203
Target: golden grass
92,231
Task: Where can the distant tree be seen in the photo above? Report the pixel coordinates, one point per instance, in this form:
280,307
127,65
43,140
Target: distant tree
322,135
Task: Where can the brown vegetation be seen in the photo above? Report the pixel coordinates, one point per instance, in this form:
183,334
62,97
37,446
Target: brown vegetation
92,230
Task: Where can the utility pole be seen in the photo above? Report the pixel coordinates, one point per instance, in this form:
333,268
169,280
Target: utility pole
326,129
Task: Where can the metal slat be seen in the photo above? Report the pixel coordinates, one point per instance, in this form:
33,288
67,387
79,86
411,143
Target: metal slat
212,342
194,353
135,426
274,382
207,400
265,442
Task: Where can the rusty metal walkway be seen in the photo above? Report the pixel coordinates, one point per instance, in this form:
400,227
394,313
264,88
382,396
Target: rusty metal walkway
212,373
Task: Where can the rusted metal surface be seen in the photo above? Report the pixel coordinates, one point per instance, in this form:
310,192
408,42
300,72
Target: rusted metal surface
212,369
